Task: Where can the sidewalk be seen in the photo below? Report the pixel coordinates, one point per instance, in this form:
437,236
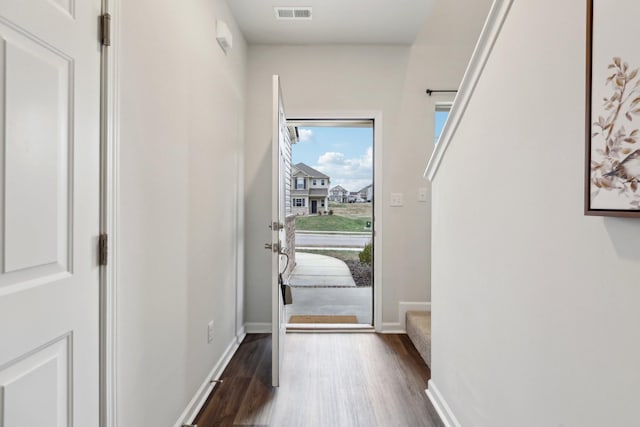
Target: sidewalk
320,270
344,233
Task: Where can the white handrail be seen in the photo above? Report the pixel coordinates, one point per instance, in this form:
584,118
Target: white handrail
490,31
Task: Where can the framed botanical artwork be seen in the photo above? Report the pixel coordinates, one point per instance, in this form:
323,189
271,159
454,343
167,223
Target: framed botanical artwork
612,169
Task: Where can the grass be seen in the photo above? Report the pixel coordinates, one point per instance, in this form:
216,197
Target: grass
343,255
352,210
331,223
346,217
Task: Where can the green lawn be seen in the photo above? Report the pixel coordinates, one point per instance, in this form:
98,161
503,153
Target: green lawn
331,223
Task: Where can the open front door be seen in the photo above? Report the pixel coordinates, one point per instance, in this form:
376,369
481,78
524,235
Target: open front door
281,180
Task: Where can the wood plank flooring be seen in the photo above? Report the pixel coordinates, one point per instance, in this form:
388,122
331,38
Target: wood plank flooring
329,380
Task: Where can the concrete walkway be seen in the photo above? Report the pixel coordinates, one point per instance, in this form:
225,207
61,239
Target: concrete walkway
323,285
333,301
320,270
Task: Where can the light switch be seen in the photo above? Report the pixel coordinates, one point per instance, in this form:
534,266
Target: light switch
422,194
397,199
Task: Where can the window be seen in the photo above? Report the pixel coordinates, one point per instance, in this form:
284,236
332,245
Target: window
322,182
322,203
315,182
298,202
299,183
441,114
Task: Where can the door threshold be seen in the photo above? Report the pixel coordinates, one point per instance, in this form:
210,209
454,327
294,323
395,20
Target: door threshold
329,327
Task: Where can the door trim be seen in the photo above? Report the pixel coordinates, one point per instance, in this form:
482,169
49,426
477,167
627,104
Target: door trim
376,117
109,137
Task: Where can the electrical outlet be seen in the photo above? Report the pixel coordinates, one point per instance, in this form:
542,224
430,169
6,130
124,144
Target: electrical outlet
210,331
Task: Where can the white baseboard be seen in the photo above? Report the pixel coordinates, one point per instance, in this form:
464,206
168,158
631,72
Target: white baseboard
240,334
392,328
257,328
441,406
403,307
400,327
207,386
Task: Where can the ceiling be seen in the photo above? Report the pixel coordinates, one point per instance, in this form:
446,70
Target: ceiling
333,21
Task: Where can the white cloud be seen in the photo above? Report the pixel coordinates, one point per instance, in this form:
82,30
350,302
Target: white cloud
305,135
352,174
331,158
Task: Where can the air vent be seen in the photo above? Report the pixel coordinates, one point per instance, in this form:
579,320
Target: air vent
293,12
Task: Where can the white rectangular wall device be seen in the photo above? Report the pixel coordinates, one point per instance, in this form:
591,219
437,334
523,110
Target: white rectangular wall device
223,35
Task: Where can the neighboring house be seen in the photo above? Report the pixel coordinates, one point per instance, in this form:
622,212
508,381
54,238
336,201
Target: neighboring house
354,196
309,190
366,194
338,194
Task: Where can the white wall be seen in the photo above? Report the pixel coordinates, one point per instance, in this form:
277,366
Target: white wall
535,306
390,79
181,142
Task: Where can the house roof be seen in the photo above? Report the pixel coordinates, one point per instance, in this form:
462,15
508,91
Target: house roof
309,171
365,188
338,188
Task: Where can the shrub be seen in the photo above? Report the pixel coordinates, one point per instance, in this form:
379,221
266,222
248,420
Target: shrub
330,211
365,255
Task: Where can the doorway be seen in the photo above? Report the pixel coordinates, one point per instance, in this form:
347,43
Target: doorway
332,275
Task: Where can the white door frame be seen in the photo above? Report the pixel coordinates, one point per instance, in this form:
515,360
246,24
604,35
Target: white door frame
109,183
376,117
108,217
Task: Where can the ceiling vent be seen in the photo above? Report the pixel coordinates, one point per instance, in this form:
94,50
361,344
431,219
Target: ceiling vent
293,12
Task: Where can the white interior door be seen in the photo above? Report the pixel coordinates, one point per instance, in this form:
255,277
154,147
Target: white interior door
281,181
49,212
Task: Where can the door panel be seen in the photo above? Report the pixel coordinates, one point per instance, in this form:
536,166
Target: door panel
35,206
281,186
49,212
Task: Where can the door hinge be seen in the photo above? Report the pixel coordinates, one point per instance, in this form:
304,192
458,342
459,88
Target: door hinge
105,29
103,249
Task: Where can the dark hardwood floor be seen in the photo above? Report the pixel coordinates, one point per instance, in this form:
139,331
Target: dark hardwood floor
330,380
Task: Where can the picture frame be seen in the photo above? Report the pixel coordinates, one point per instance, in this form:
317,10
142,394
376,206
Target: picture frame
612,149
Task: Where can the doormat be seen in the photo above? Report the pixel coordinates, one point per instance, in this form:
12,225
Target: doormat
322,319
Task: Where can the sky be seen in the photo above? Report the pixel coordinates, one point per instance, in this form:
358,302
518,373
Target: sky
441,118
344,154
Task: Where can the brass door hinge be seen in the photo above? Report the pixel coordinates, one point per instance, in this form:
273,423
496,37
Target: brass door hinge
105,29
103,249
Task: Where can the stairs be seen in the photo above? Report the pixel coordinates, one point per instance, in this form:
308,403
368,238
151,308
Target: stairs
419,331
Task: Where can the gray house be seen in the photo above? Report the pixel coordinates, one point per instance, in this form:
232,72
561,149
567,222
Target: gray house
338,194
309,190
366,194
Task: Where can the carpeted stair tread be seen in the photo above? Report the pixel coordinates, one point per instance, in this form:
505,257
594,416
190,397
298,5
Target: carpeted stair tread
419,331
